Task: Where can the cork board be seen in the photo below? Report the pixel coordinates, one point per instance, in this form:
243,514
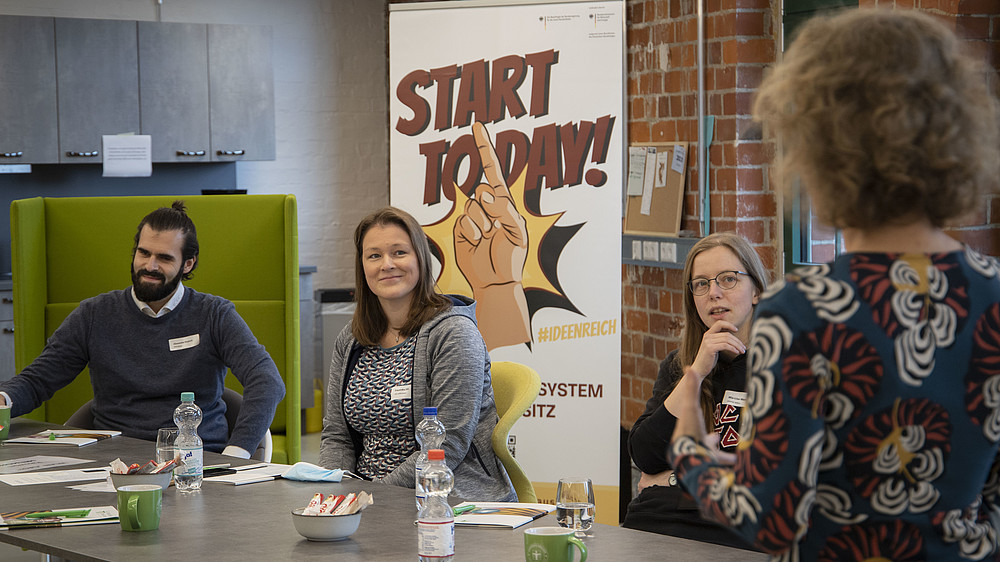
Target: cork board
666,201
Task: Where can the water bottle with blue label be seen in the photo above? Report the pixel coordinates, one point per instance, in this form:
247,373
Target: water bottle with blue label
187,416
430,435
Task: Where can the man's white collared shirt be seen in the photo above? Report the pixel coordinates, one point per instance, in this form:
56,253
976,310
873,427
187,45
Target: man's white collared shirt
171,304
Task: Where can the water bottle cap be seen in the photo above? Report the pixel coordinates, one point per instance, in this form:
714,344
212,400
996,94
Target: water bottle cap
435,455
187,397
430,411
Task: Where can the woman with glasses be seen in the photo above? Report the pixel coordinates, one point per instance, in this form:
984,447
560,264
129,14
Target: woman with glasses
724,278
872,422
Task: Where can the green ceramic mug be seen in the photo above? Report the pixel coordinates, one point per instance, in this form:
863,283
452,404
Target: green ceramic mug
139,507
4,422
552,544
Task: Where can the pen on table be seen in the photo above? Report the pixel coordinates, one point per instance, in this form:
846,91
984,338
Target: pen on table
463,509
215,466
63,513
221,471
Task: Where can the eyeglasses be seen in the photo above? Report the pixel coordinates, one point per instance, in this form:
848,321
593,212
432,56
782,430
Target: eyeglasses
725,280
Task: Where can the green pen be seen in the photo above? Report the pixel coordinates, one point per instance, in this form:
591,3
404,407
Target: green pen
463,509
63,513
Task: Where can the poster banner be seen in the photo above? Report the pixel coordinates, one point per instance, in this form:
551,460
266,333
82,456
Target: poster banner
506,134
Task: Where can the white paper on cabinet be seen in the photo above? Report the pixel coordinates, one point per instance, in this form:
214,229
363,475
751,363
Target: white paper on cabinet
127,156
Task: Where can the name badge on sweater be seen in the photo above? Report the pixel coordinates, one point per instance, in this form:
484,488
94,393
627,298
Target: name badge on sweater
186,342
734,398
401,392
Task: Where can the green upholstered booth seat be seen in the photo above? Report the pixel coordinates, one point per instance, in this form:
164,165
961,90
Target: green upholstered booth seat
65,250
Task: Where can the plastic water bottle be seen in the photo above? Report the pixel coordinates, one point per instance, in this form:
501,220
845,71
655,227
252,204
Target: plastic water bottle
436,520
187,416
430,435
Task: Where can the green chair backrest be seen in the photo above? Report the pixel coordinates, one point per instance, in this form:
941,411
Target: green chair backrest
515,387
64,250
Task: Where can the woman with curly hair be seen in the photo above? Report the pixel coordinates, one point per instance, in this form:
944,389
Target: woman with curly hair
872,424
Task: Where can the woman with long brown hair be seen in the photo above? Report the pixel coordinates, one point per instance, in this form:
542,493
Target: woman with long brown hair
723,281
408,347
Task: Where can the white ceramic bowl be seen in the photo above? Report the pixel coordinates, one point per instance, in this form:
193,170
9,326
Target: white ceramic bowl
162,480
325,527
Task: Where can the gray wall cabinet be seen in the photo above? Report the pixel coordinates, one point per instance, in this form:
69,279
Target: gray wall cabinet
203,92
97,68
241,85
173,90
28,127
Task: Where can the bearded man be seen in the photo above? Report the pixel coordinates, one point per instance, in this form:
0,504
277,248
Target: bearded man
146,344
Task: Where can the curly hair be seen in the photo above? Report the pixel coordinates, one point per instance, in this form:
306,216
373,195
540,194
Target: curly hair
884,119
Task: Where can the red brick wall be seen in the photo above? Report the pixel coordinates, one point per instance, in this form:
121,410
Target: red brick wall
741,40
662,89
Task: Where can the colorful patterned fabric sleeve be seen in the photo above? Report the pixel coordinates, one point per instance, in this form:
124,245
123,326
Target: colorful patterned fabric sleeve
873,417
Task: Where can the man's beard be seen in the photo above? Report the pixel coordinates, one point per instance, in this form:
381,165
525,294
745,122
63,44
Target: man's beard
148,292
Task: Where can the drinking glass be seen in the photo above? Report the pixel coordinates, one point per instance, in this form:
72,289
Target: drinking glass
575,505
165,437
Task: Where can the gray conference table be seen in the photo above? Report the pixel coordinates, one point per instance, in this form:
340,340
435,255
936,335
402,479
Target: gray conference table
252,522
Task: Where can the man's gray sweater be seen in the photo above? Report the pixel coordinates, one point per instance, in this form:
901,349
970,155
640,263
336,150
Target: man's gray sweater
139,365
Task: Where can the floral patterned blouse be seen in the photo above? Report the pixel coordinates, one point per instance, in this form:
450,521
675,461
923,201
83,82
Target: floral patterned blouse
873,415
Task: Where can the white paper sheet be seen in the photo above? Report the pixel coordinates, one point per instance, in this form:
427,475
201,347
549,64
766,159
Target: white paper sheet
677,163
36,463
55,476
127,156
104,486
251,474
662,165
648,181
636,169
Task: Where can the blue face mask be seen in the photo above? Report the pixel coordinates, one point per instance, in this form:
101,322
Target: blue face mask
308,472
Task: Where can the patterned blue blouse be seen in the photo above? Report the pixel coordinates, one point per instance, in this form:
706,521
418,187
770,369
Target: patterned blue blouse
873,416
384,419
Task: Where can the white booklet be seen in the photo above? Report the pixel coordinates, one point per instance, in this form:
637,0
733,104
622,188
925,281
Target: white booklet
503,515
66,437
250,474
59,518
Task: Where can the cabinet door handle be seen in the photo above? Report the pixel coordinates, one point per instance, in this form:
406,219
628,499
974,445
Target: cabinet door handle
190,153
239,152
75,154
17,154
8,330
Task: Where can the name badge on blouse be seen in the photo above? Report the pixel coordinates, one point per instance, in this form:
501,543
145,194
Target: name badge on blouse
734,398
186,342
401,392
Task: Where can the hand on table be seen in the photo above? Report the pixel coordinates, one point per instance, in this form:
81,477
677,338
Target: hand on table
491,246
